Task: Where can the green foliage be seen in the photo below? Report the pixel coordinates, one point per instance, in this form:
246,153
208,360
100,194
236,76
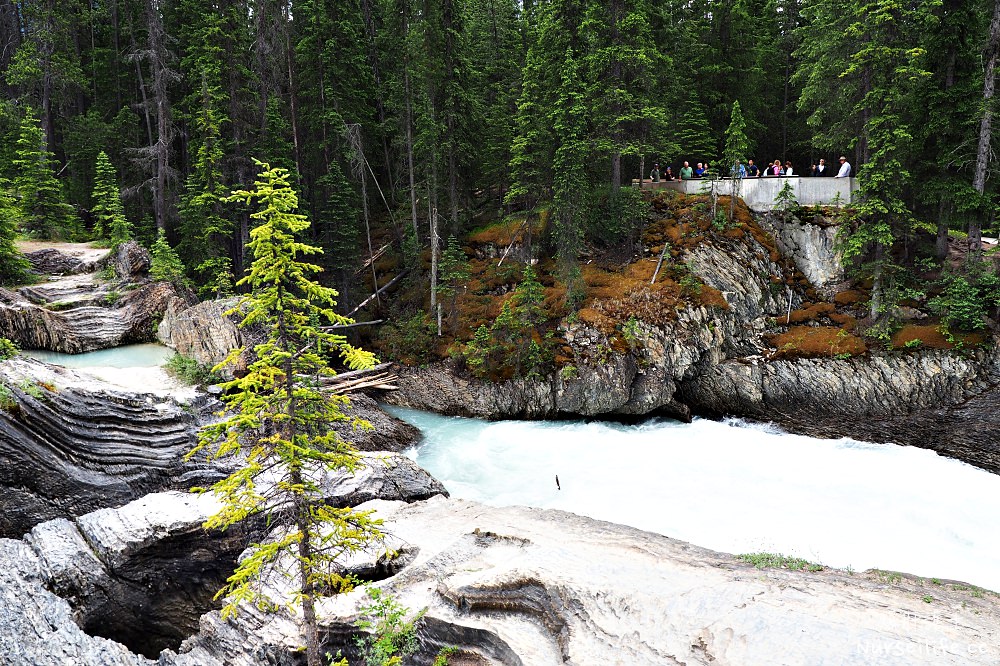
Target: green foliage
453,273
14,267
960,305
512,344
411,340
43,208
109,214
279,417
735,154
778,561
632,331
166,265
785,200
7,349
391,636
615,217
190,371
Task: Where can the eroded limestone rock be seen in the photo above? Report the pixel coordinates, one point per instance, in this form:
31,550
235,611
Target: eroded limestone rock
541,587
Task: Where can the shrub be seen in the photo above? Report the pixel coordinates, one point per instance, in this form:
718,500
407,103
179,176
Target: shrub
188,370
959,305
7,349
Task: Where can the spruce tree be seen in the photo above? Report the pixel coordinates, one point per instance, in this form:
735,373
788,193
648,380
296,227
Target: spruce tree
735,154
13,266
453,272
165,264
44,211
279,419
109,214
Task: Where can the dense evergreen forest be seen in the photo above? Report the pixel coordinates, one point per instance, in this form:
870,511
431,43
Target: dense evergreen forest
396,117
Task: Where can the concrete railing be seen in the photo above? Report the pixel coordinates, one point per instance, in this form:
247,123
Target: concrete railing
759,193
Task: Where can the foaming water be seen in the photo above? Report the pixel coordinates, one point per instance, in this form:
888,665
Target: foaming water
735,487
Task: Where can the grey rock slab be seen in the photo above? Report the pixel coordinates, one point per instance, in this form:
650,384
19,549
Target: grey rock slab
37,627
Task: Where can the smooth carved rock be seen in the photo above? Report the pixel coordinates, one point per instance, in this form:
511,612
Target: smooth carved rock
519,586
145,572
71,444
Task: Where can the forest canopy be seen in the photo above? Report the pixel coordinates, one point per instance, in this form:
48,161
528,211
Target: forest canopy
391,114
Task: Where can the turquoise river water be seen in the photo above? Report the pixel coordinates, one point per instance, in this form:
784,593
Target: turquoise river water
735,487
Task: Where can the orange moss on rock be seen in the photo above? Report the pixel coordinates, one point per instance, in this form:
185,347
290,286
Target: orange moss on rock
846,321
931,335
849,297
816,341
810,312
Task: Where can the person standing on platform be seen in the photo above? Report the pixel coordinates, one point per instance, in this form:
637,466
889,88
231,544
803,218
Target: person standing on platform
845,168
687,173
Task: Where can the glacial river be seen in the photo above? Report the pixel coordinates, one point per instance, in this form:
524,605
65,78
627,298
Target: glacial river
734,487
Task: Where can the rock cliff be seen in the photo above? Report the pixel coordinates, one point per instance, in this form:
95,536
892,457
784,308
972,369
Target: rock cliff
142,574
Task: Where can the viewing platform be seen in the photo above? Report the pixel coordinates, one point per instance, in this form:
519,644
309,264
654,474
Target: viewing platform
759,193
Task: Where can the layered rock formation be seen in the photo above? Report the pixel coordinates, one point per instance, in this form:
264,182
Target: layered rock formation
70,444
642,381
144,573
528,586
84,312
206,333
811,244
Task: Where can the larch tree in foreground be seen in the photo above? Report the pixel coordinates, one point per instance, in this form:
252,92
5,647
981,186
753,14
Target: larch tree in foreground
279,419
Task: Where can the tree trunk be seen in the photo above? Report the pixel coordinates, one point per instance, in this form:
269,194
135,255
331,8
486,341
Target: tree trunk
407,94
941,245
435,306
985,130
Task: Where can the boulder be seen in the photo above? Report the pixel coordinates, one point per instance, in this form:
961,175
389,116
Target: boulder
207,334
131,261
528,586
387,433
811,245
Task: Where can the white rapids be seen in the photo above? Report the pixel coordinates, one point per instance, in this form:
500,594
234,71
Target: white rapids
734,487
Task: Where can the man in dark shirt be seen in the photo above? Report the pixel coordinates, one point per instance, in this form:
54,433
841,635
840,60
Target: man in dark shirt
821,169
752,170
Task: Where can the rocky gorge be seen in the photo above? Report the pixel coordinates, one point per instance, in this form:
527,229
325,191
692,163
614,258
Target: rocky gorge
105,560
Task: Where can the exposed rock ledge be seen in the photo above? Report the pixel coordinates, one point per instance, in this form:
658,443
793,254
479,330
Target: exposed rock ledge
82,312
143,573
535,587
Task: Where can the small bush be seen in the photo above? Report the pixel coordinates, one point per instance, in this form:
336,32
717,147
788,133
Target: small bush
7,349
960,305
188,370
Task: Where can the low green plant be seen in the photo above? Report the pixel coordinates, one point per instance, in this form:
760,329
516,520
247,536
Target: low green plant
913,344
568,372
889,577
632,331
7,349
927,598
31,388
390,635
188,370
112,297
778,561
7,400
959,304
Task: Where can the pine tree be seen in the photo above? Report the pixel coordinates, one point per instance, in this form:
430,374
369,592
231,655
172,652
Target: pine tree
568,121
280,417
109,214
13,266
44,211
735,154
165,265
